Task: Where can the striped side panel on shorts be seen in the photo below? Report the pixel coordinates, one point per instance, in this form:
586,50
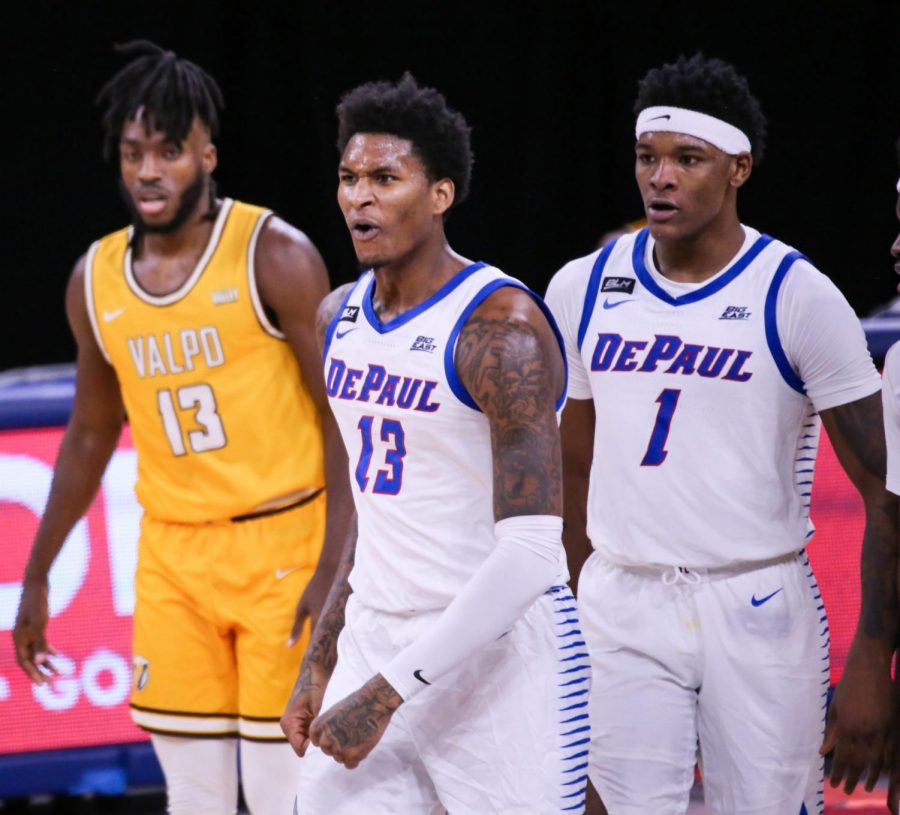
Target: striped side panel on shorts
815,803
573,687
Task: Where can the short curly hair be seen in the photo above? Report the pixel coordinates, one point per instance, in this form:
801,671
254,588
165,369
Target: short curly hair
710,86
440,137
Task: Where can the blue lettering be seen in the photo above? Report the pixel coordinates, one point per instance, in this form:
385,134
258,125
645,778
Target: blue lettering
715,359
626,360
335,374
408,391
664,347
372,382
347,392
424,404
386,397
735,374
686,360
605,351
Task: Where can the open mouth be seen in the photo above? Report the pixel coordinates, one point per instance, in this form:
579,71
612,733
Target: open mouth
661,210
364,231
151,204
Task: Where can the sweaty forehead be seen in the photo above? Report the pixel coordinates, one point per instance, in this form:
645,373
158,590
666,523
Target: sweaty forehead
369,150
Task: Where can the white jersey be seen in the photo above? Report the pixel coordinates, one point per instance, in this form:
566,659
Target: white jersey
891,396
419,448
706,398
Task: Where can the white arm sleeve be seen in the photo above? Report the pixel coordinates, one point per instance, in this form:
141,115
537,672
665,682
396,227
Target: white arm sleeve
824,339
565,299
890,395
526,561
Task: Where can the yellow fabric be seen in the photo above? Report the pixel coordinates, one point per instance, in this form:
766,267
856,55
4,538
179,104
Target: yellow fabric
221,420
214,609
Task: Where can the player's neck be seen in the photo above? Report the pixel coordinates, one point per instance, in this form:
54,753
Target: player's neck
190,238
408,281
698,257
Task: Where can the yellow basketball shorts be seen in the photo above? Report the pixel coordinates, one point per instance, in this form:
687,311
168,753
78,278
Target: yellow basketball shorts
214,607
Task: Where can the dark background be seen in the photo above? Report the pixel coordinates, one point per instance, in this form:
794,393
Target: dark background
547,88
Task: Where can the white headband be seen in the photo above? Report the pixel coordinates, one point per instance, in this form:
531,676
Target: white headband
726,137
898,185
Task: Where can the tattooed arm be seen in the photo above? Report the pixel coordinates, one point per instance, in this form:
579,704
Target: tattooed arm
508,358
510,361
859,720
321,654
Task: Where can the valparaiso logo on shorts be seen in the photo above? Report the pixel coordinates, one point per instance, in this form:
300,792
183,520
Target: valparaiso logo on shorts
141,672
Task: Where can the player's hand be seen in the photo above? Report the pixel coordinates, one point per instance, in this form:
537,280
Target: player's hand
309,605
860,722
33,652
349,730
304,705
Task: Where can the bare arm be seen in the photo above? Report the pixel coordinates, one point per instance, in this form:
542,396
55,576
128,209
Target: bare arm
87,445
577,435
860,718
292,281
321,654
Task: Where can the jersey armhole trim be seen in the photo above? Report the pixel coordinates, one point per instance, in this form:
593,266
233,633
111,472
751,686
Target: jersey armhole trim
453,379
89,298
590,295
258,309
771,320
333,324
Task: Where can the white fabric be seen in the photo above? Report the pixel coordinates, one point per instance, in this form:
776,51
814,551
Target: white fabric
672,663
667,119
523,565
890,395
201,774
736,481
503,733
269,774
421,475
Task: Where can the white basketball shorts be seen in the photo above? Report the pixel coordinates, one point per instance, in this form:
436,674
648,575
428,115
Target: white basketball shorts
737,664
506,732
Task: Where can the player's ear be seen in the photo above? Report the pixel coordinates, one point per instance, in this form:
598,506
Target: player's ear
741,167
442,194
210,158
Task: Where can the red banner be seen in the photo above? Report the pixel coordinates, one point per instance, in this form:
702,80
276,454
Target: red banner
92,594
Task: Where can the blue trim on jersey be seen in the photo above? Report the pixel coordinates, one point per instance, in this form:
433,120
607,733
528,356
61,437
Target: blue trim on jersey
701,293
771,310
593,286
401,319
332,326
456,385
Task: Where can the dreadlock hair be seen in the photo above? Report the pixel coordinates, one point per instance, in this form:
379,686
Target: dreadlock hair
440,137
709,86
168,91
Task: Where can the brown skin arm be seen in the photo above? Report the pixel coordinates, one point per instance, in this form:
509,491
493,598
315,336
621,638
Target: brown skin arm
860,718
88,444
577,433
292,281
511,364
321,654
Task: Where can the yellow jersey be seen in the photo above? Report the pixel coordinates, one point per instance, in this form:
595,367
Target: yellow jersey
221,420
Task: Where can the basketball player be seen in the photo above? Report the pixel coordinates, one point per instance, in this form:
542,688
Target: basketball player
702,357
461,679
891,397
198,321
